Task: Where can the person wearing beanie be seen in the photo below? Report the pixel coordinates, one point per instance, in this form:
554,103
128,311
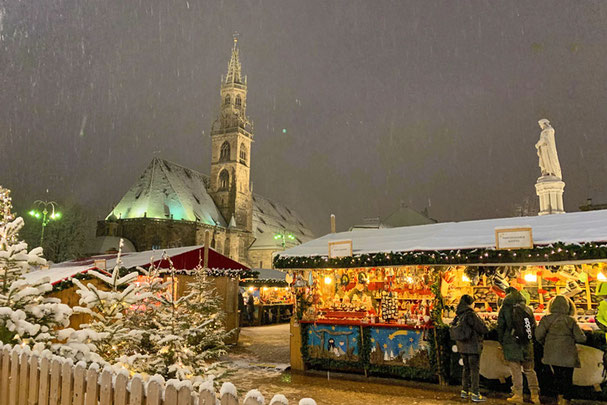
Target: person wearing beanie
470,348
518,355
559,333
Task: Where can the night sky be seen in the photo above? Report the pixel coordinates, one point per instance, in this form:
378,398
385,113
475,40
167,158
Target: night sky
428,102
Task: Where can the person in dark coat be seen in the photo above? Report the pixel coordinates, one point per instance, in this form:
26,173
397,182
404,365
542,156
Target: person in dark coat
251,309
559,333
241,308
518,356
470,349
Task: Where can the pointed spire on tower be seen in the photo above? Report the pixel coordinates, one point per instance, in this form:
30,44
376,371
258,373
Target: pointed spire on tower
234,75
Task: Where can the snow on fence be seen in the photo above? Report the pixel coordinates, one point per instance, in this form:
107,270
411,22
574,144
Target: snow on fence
28,378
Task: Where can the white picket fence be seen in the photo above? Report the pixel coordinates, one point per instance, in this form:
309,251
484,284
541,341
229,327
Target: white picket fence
28,378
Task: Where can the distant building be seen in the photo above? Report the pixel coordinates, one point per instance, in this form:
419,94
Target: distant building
172,206
589,206
403,216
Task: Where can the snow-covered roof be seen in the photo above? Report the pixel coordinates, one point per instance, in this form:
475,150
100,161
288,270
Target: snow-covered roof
406,216
65,270
104,244
403,216
167,190
270,274
270,217
576,227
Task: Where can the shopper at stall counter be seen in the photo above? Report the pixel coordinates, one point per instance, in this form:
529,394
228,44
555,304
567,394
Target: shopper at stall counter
518,356
471,348
559,333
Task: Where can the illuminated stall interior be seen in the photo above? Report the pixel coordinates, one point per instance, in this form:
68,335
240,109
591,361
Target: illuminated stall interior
272,297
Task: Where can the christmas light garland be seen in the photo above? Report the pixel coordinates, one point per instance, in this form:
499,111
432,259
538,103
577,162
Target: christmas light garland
554,252
234,274
263,282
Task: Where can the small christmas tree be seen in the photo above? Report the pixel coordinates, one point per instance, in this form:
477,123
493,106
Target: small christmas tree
26,315
6,206
108,334
188,332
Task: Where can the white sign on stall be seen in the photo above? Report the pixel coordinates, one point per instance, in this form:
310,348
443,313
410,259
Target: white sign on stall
513,238
340,248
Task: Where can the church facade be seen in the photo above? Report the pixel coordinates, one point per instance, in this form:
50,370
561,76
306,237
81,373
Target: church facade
171,205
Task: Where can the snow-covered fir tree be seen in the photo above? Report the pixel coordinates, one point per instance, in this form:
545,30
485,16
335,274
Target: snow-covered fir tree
6,206
108,335
27,314
188,332
142,317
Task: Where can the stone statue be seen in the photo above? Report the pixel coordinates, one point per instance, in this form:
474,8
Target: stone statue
546,151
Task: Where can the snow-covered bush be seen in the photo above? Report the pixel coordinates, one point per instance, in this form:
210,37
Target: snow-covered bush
108,335
27,315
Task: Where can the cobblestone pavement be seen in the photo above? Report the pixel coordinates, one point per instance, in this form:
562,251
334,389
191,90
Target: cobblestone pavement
261,360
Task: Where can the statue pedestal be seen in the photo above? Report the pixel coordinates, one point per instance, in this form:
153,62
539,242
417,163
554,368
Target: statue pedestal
550,191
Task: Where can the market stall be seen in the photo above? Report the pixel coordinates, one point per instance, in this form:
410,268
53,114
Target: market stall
384,306
223,272
270,296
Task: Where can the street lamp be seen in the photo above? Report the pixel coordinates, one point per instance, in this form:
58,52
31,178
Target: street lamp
44,215
283,236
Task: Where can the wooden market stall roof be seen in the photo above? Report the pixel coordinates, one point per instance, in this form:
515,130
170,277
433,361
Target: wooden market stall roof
266,277
556,238
183,258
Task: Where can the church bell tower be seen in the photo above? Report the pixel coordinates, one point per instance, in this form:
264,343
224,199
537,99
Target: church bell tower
231,138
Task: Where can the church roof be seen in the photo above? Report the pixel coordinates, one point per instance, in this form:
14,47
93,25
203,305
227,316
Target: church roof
403,216
269,218
167,190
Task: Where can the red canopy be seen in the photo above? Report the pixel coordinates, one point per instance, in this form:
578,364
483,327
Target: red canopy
193,258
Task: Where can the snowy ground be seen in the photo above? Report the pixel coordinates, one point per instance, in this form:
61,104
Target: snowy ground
262,355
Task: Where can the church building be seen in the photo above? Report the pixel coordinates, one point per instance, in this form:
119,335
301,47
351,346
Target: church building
172,206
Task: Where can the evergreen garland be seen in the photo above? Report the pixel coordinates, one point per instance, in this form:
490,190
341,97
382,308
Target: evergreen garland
548,253
67,282
266,282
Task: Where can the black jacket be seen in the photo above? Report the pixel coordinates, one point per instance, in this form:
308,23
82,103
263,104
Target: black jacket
474,345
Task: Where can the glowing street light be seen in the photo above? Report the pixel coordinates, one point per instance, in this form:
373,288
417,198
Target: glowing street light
283,237
44,215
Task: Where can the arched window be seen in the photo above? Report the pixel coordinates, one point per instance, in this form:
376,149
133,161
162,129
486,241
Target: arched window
238,101
224,180
243,153
227,100
224,154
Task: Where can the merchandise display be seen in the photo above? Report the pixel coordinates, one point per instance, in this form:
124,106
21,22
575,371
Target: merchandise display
539,284
399,296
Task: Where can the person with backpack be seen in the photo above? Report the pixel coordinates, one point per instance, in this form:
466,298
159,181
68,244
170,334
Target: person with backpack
467,330
516,329
601,316
559,332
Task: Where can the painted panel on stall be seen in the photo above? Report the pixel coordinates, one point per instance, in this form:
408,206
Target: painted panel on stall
398,347
338,342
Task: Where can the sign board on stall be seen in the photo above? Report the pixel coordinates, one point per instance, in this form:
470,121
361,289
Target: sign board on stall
340,248
101,264
513,238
